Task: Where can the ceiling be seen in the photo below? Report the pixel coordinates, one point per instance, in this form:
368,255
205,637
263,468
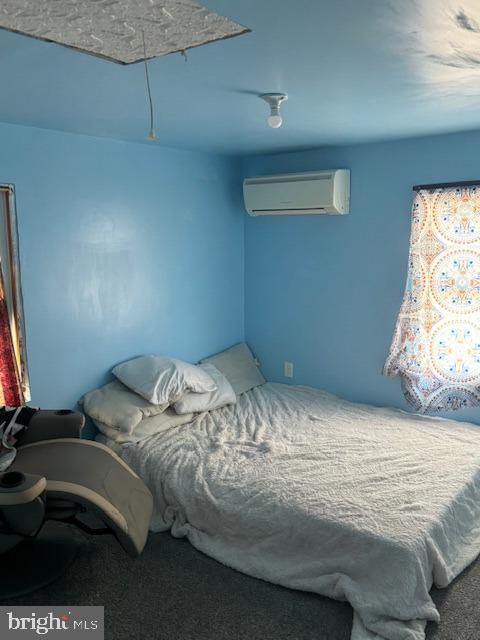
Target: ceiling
354,72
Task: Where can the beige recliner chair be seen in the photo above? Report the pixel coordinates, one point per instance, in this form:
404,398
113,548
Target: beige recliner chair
58,476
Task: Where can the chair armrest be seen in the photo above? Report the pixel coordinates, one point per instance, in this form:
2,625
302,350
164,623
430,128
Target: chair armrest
18,488
22,505
50,425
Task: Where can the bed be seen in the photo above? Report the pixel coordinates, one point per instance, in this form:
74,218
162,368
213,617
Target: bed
297,487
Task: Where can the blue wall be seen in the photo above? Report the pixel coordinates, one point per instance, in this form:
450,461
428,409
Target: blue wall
125,249
129,249
324,292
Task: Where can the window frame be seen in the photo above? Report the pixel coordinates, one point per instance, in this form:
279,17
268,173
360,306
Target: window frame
7,190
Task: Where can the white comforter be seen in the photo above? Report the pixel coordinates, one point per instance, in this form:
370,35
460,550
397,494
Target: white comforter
299,488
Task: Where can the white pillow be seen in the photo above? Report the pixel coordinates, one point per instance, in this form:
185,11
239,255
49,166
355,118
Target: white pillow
147,427
159,379
239,367
195,402
117,406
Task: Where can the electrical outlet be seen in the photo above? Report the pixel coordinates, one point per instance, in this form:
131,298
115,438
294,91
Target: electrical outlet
288,369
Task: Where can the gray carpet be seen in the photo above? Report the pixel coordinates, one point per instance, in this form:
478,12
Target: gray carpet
173,592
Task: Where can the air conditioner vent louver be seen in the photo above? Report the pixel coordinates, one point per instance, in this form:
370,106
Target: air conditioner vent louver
321,192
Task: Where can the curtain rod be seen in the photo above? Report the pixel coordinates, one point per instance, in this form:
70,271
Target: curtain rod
445,185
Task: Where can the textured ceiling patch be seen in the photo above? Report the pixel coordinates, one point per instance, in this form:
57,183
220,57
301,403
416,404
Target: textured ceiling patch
113,28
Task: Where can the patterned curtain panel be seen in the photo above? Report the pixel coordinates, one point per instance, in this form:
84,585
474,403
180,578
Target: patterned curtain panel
11,393
436,344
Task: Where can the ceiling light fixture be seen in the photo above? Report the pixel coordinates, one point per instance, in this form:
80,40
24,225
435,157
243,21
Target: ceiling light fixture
274,100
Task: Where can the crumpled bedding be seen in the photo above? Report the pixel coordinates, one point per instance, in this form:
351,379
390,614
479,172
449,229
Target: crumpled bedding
297,487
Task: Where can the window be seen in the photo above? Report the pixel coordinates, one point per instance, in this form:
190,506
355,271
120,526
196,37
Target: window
436,344
14,383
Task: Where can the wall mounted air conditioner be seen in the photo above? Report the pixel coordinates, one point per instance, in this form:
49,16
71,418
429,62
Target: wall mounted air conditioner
298,193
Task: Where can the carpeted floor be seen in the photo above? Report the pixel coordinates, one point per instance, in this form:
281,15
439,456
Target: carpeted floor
173,592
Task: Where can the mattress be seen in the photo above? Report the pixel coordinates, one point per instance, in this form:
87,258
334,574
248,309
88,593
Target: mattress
297,487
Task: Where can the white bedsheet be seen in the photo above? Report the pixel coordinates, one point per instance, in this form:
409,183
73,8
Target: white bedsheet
300,488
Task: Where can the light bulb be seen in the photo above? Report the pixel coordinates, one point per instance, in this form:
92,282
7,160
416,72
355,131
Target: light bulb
152,135
275,121
274,100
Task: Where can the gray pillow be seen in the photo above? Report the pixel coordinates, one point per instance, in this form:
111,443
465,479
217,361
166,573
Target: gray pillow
238,365
196,402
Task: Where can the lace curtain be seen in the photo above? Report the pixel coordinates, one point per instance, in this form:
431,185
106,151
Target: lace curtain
436,344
